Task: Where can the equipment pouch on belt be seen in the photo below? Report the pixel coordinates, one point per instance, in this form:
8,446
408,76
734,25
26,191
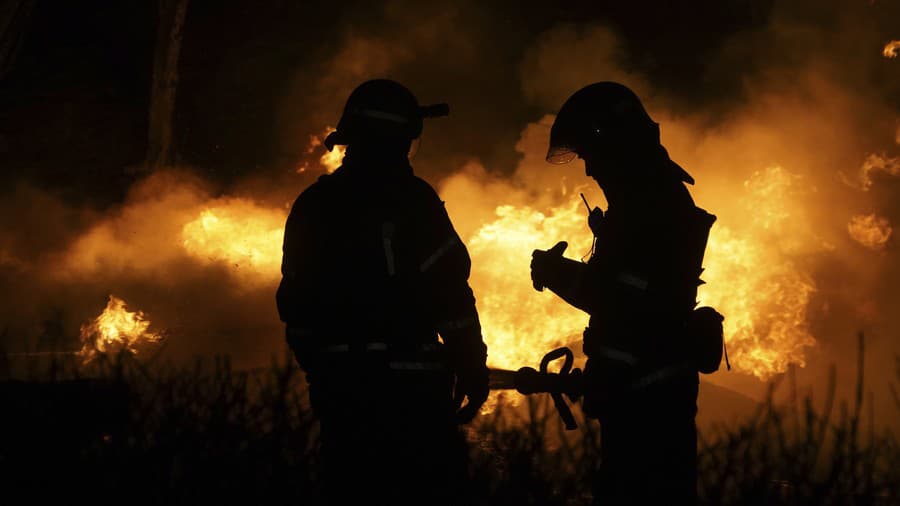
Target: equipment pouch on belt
705,333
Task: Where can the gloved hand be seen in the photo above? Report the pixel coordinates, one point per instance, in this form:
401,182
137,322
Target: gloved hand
543,264
471,384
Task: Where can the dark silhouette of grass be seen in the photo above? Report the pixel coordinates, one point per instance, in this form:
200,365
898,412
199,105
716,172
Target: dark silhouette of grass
120,430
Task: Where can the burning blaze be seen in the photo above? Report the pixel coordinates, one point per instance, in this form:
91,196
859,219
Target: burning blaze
891,49
750,277
519,324
330,160
764,298
116,330
870,230
754,272
240,234
754,280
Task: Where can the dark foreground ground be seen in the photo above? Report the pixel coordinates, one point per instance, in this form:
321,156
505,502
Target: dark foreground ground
123,432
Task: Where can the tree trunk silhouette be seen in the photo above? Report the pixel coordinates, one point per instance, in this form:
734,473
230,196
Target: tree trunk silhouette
160,146
14,15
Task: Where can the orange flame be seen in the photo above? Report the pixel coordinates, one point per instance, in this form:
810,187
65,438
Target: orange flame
115,330
519,324
762,293
870,230
240,234
751,277
891,49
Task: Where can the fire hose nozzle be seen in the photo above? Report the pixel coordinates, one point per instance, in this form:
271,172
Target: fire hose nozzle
528,380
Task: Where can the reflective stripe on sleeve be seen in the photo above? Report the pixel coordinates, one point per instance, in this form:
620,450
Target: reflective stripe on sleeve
441,251
376,347
632,280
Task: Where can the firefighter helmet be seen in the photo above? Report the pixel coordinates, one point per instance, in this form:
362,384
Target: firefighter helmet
382,109
606,116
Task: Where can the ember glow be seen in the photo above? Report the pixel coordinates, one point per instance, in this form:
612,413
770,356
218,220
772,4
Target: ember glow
116,330
891,49
870,230
239,234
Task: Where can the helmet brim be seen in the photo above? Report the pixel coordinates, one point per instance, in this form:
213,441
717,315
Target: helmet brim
333,139
559,155
680,173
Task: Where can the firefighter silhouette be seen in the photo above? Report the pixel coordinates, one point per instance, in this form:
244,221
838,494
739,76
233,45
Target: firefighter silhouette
373,272
645,341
